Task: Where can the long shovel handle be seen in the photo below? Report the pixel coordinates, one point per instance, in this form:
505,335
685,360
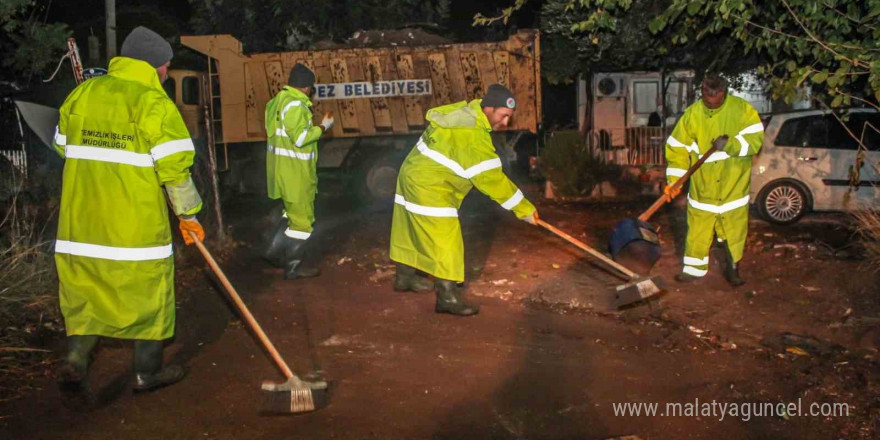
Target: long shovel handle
242,308
587,249
677,184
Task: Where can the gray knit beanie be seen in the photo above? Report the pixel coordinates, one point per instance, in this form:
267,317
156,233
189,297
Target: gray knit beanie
146,45
301,77
498,96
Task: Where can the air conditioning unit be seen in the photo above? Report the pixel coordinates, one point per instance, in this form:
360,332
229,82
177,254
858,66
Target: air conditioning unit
609,85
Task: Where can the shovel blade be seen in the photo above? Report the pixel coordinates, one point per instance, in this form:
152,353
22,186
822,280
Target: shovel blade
639,290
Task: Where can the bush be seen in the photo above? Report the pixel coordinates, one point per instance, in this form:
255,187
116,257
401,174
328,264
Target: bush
28,291
868,227
574,170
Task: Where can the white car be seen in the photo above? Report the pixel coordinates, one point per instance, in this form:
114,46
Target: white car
807,163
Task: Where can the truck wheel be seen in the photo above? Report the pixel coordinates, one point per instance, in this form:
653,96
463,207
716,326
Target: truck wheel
380,179
783,203
376,180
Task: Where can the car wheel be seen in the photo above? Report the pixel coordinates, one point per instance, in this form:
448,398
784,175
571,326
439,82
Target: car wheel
783,203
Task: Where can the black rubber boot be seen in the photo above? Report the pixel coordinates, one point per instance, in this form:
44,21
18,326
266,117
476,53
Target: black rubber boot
296,254
685,278
73,375
731,271
450,299
407,280
149,374
277,245
295,270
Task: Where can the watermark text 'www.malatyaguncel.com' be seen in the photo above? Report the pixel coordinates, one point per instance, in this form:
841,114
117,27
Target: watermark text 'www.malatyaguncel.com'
719,410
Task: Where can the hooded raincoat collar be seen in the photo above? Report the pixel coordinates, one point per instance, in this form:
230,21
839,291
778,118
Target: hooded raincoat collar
460,115
299,96
135,70
482,120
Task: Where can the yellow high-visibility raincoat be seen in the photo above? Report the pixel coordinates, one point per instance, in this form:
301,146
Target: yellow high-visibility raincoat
454,154
292,158
123,139
718,199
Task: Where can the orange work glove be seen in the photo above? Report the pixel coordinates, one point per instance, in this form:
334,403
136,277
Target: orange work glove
190,224
671,193
531,219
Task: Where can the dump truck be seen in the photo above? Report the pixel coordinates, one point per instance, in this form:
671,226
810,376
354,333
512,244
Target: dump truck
378,95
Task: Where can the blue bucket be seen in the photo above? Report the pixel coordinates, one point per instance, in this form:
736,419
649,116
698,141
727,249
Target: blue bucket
633,239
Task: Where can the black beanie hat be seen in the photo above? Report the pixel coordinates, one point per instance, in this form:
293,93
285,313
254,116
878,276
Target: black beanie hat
301,76
146,45
498,96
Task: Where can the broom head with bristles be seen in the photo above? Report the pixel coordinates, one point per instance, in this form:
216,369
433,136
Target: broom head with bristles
294,396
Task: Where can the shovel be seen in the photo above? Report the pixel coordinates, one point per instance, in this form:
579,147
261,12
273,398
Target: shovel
634,240
637,289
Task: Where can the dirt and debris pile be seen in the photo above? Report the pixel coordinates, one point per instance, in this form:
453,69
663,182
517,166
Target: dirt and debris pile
385,38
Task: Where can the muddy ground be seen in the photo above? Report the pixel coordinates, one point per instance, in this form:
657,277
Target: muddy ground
547,357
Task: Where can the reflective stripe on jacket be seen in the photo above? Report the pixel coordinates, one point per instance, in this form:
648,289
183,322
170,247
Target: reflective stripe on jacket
454,154
722,182
292,156
122,139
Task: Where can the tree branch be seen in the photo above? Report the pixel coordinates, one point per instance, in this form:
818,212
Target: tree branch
487,21
851,134
749,22
813,37
841,13
863,72
836,90
505,15
797,37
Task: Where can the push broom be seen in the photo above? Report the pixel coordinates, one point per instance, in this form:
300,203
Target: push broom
638,287
292,396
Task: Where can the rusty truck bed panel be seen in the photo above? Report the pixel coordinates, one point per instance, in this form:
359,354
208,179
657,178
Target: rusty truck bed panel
457,72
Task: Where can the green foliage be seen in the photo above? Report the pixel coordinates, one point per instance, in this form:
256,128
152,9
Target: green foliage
557,56
614,35
31,46
9,10
506,13
835,44
605,35
272,25
593,35
37,48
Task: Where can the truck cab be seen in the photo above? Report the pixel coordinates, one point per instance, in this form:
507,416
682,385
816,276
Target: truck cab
186,89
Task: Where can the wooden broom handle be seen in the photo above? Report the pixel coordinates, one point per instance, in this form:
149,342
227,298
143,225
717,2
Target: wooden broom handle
241,307
586,248
677,184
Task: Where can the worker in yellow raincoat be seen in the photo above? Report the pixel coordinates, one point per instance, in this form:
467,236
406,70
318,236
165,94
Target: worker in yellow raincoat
123,141
454,154
718,199
291,170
